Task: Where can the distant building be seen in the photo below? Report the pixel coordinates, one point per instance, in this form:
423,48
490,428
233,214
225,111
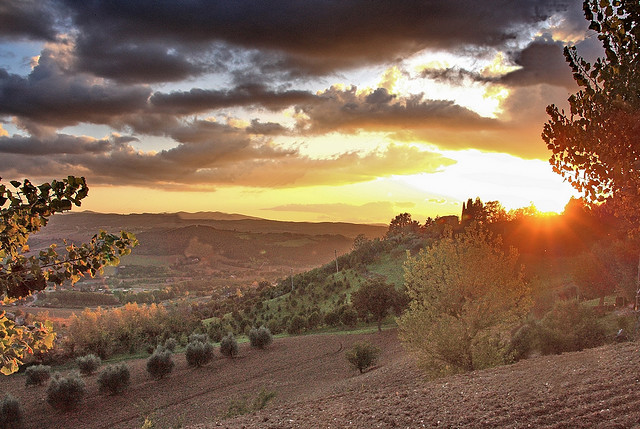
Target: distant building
451,220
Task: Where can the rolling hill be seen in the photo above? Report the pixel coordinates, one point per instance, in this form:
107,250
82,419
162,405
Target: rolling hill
205,244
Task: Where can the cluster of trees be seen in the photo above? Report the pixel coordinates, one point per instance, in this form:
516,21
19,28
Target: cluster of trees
125,329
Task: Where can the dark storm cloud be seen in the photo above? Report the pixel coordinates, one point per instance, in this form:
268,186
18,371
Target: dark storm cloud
218,157
30,19
542,61
517,132
333,34
348,111
198,100
99,67
53,94
132,62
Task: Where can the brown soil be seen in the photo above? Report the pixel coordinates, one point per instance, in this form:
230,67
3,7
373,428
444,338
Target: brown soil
315,388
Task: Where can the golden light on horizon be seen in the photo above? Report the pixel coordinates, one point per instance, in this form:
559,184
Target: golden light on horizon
513,181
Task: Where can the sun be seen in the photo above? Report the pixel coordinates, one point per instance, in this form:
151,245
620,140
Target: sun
513,181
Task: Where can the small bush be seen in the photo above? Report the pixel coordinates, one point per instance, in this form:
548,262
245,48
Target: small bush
114,379
238,407
10,412
203,338
296,325
37,375
275,326
362,355
229,346
569,327
524,341
66,393
217,329
171,344
88,364
199,353
183,340
260,338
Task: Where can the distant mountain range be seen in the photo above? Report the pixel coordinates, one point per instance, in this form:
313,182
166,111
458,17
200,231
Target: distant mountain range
88,223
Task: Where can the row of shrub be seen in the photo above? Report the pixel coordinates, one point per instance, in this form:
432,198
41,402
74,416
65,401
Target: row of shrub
66,392
37,375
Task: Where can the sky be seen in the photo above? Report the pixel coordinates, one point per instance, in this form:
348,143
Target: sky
306,110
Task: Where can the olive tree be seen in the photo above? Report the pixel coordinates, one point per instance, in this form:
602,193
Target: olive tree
466,294
374,297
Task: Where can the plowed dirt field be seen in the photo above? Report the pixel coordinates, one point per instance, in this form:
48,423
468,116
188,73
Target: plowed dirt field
315,388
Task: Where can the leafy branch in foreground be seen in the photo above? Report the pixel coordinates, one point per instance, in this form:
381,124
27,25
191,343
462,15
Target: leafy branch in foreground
16,341
24,210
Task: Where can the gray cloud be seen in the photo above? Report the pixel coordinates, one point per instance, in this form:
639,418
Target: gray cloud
266,128
348,111
51,96
30,19
197,100
311,37
540,62
55,95
132,62
59,144
227,157
99,68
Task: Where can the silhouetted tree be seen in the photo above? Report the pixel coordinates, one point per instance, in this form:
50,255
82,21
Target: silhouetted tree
596,145
473,210
494,212
402,225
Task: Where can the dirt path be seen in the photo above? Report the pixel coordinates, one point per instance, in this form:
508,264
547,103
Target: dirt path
315,388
